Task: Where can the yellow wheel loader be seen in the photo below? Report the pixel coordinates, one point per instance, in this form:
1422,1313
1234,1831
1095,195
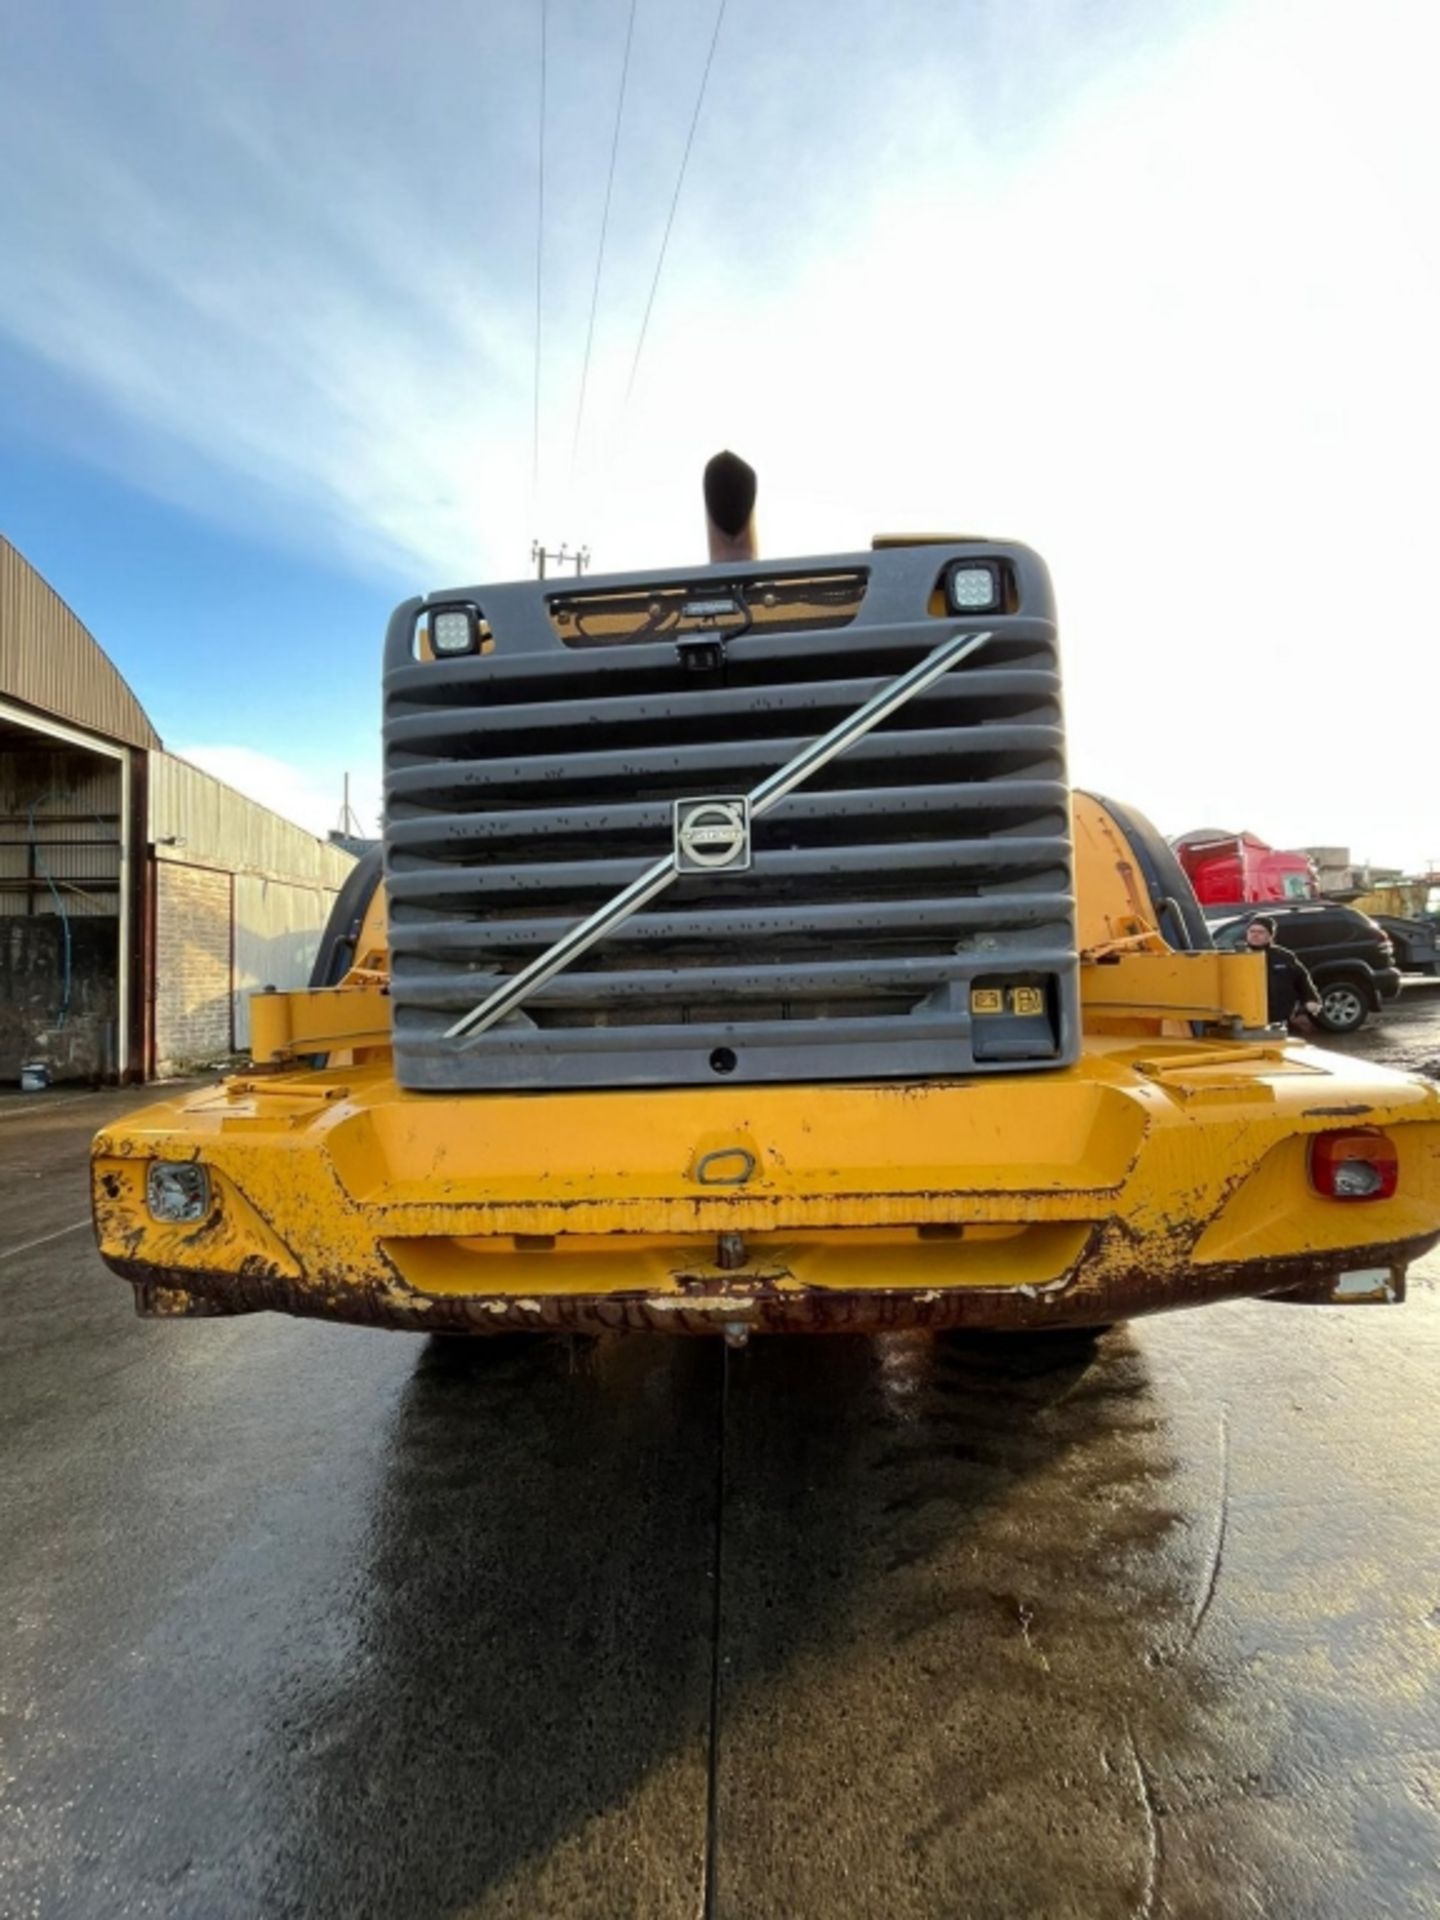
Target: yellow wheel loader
742,962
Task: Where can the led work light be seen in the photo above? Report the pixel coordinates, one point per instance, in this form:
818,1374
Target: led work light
975,586
453,631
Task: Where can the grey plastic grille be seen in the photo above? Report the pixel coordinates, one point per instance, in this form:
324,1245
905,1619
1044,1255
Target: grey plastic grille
527,785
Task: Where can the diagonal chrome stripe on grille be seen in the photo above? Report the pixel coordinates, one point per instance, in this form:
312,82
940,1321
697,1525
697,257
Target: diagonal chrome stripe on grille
818,753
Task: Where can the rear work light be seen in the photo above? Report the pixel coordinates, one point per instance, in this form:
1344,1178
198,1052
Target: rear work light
975,586
1358,1165
454,630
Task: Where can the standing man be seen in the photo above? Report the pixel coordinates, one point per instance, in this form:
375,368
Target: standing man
1288,985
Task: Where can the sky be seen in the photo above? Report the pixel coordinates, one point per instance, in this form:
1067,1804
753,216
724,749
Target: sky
1150,284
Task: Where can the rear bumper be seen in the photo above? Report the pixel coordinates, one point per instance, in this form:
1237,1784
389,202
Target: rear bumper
1139,1181
1096,1292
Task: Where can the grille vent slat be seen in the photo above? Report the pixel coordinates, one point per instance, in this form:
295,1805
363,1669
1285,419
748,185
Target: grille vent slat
526,787
969,862
680,771
1016,806
698,713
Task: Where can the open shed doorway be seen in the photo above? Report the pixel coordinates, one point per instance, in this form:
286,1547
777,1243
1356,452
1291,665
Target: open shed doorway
66,917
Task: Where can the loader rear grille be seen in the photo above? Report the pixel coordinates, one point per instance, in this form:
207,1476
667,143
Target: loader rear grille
526,787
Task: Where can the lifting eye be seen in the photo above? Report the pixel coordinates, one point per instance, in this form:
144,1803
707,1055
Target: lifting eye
725,1167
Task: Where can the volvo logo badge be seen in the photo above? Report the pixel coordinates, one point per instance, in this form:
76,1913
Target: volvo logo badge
713,833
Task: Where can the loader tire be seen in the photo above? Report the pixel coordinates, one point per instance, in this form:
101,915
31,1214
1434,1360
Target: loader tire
347,916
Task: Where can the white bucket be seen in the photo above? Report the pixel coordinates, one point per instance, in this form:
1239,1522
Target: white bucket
35,1078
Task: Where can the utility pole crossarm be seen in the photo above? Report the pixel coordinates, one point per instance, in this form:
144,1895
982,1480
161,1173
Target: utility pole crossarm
561,555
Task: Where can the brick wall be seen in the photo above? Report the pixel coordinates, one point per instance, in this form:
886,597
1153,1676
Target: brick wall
192,966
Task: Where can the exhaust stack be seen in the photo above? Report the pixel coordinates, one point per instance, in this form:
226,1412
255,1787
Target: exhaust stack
730,487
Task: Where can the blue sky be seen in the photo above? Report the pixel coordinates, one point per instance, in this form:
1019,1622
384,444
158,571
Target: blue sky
1150,285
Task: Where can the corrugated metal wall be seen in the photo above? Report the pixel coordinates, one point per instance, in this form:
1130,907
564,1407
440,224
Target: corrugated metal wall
59,832
213,825
282,883
50,661
277,935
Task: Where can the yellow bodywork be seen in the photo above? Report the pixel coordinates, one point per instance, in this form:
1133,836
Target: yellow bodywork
1163,1169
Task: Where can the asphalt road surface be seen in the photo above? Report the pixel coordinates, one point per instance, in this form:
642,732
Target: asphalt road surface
318,1621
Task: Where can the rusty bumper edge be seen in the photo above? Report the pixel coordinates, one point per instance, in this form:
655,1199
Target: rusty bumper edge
1118,1294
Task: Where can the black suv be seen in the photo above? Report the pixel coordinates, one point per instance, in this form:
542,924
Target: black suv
1416,942
1350,959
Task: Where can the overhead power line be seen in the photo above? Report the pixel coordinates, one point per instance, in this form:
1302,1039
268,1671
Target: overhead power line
539,254
604,230
675,198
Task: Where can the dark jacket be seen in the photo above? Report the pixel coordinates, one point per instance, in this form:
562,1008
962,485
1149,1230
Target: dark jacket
1287,981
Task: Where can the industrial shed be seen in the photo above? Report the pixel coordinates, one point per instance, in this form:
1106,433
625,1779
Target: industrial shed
141,900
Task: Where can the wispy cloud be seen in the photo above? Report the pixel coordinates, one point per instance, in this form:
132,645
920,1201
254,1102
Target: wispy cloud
296,245
1151,287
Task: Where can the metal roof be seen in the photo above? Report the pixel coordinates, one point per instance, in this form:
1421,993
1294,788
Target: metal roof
51,662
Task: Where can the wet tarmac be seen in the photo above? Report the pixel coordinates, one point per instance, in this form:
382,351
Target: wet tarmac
315,1621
